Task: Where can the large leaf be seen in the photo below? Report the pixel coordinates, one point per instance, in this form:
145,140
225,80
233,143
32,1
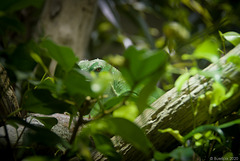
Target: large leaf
78,82
63,55
128,111
148,94
48,122
207,50
142,63
41,101
181,80
129,131
105,146
232,37
21,58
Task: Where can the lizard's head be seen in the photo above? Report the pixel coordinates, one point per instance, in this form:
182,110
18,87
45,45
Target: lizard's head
97,65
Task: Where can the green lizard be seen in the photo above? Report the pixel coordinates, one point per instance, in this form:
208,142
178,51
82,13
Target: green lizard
118,86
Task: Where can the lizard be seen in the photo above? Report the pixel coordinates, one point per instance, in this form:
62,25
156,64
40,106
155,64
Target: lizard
118,86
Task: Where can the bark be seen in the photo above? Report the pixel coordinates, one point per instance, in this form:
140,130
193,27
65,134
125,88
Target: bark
68,23
8,100
175,110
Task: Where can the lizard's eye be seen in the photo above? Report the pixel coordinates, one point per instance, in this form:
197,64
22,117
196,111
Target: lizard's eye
98,69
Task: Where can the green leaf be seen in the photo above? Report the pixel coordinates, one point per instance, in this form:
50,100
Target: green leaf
128,111
21,59
218,94
232,37
105,146
174,133
48,122
112,102
174,30
47,83
235,60
181,80
160,156
182,153
141,64
63,55
148,94
228,124
205,128
41,101
78,82
39,60
207,50
129,131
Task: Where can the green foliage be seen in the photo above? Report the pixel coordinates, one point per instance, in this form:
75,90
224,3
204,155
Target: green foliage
63,55
187,31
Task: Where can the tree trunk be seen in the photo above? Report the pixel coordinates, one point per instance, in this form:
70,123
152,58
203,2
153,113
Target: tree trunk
8,100
68,23
175,110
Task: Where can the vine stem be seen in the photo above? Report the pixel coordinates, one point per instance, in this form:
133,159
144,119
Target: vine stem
76,127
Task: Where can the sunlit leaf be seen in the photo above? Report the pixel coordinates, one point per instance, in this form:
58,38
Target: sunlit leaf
174,133
39,60
232,37
207,50
218,94
235,60
128,111
181,80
